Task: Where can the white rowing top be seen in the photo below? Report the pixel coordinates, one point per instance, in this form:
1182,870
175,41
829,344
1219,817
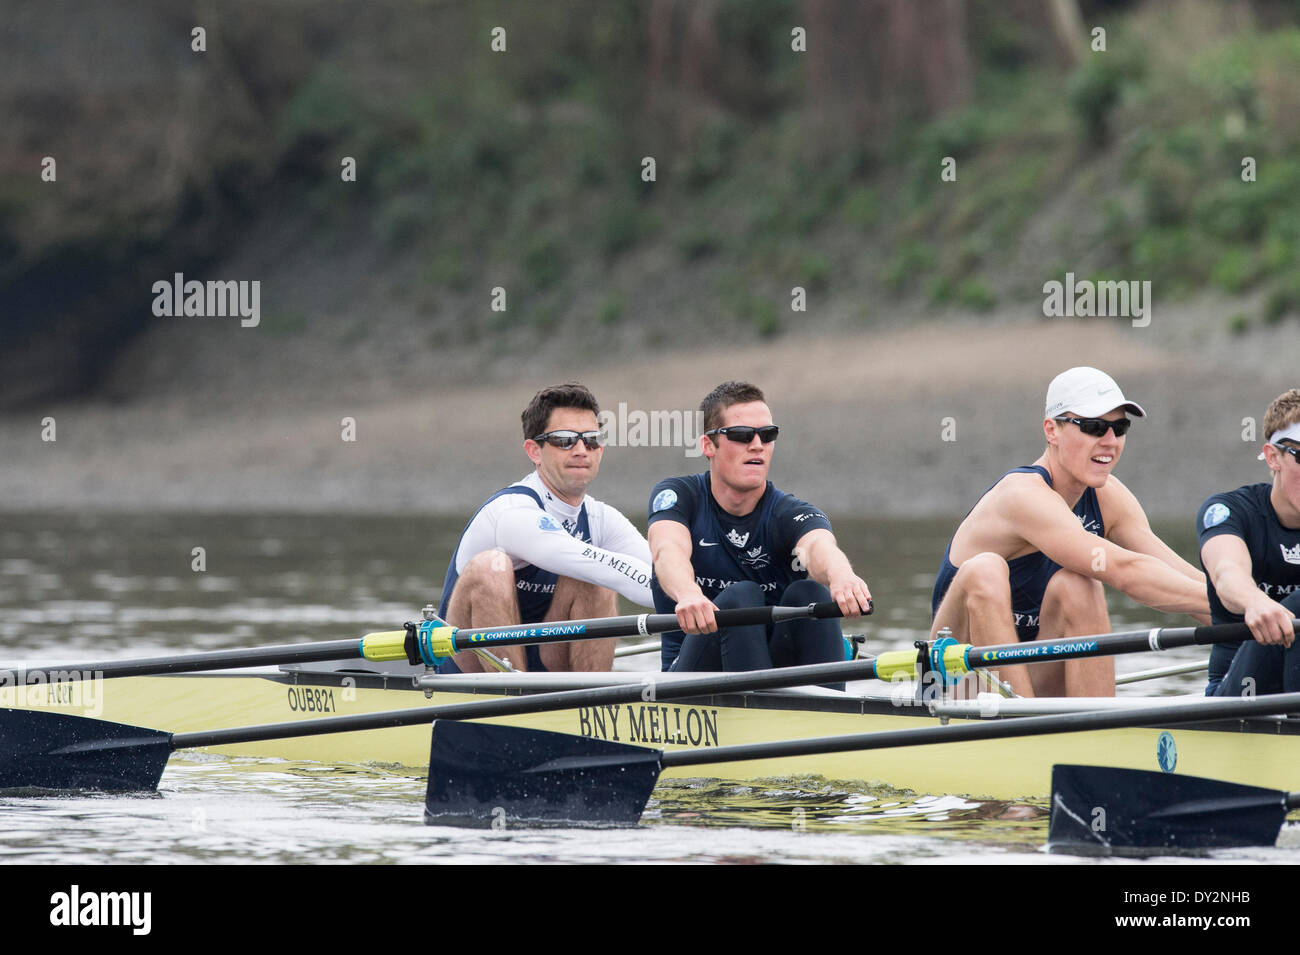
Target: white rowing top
618,557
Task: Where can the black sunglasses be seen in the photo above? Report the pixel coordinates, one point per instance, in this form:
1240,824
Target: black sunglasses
567,439
1294,452
1097,427
743,433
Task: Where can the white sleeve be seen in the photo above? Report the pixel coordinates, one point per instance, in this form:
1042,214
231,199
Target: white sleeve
621,536
521,533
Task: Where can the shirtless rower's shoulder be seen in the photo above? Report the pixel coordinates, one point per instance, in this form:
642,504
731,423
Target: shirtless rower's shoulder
1031,557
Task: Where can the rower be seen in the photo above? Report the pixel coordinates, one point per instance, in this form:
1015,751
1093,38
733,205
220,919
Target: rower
727,538
542,550
1250,549
1031,557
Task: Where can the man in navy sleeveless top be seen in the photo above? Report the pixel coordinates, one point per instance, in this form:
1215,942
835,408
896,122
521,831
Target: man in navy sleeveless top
728,538
1250,549
1030,558
541,549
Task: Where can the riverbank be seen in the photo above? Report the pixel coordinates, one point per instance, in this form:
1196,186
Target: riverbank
912,420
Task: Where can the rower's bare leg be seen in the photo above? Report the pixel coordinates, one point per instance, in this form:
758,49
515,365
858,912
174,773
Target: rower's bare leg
485,597
576,600
1074,606
977,609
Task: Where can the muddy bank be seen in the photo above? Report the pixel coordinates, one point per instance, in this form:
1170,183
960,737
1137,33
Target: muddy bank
910,421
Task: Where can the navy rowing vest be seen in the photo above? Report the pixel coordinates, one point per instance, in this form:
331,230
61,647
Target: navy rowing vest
534,587
1030,573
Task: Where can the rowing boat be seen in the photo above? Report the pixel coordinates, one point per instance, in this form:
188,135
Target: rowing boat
1258,751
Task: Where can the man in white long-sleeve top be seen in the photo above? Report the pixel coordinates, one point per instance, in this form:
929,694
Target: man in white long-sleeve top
542,550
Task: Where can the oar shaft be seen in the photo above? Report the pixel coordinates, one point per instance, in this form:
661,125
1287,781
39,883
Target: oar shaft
996,729
391,645
627,626
1128,641
959,658
195,662
648,690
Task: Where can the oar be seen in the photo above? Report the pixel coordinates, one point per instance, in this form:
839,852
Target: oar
44,750
479,772
949,659
1099,809
427,642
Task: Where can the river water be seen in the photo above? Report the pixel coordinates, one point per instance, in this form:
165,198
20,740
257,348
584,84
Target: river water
78,587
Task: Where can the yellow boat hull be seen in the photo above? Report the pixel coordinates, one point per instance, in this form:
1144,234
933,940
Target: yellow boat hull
1255,752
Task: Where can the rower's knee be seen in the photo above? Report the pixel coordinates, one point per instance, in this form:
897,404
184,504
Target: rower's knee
743,593
583,598
800,592
491,570
1074,595
985,579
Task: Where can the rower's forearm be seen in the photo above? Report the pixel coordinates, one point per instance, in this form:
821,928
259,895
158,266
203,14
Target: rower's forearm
1235,589
1179,595
676,575
1152,582
825,562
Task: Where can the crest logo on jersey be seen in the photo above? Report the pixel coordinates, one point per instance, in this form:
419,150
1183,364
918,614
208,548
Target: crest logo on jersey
756,558
664,499
546,524
1291,556
1216,514
738,539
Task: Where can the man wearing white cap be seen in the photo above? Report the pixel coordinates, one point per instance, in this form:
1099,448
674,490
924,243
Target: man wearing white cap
1250,549
1030,558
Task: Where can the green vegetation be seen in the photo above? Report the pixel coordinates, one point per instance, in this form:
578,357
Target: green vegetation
530,167
610,309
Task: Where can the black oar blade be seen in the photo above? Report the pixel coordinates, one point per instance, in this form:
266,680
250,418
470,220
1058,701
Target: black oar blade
1098,809
41,751
488,776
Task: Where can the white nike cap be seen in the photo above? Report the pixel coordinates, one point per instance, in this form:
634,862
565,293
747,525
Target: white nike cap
1087,392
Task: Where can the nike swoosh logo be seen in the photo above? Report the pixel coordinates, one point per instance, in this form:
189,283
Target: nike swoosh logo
705,543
